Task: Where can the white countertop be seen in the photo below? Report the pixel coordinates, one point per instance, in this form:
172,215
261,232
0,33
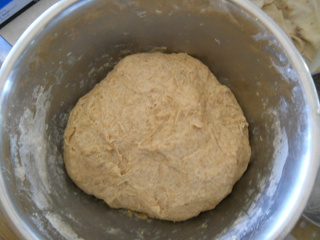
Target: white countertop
13,30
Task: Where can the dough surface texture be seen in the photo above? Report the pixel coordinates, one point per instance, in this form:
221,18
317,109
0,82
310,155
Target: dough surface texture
159,135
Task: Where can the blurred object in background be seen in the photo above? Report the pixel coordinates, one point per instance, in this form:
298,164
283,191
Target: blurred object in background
300,19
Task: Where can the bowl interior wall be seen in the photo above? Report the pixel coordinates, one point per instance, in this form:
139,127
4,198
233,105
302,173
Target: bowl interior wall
80,46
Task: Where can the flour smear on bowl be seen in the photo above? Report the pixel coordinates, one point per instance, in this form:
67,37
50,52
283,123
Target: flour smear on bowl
31,155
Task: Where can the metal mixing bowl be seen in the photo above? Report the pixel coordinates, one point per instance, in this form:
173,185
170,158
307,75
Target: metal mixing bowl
75,44
312,211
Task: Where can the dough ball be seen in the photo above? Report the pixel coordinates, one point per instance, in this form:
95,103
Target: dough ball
159,135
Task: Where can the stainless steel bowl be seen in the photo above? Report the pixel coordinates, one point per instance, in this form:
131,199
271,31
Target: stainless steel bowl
312,211
75,44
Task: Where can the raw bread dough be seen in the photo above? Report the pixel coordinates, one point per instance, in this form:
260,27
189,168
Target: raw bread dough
159,135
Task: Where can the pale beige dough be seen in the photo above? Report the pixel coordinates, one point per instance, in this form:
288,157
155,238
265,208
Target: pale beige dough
159,135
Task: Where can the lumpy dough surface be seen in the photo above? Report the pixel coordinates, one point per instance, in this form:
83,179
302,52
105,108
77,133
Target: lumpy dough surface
159,135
